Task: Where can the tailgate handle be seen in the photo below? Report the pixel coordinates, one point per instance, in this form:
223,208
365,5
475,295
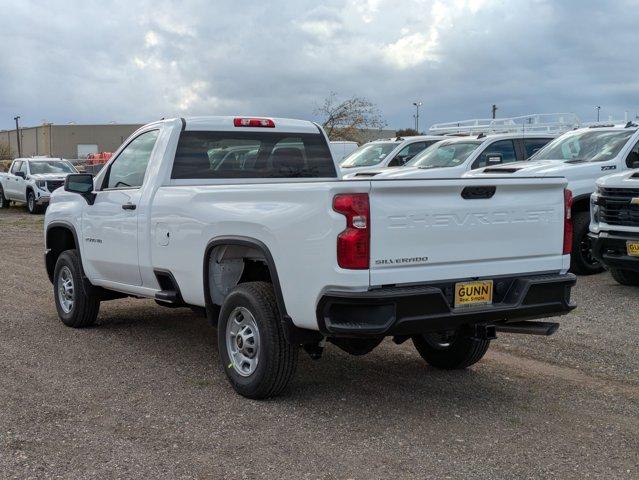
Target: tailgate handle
473,193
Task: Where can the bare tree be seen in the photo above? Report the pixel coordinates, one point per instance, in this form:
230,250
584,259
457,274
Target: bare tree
345,120
5,151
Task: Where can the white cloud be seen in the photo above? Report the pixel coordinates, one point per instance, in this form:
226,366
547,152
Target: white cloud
412,50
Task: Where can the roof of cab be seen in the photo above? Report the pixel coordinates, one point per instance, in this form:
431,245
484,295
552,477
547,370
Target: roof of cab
225,123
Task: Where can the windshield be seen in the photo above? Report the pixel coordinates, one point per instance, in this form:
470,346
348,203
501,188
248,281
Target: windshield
586,146
444,154
368,155
50,166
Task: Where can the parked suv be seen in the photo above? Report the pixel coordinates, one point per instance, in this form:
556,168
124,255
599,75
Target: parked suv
391,152
614,226
32,180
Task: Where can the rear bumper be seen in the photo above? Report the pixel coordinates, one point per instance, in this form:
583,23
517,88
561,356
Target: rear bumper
429,308
610,249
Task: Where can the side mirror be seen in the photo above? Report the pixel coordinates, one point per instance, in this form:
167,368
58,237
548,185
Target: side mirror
82,184
494,159
20,174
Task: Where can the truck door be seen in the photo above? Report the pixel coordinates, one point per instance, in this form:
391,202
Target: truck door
15,189
110,225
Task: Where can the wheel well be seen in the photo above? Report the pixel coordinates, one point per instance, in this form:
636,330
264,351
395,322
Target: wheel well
230,265
58,240
581,204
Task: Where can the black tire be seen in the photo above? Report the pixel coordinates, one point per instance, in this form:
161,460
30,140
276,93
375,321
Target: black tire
625,277
32,206
581,261
453,351
86,303
4,203
276,358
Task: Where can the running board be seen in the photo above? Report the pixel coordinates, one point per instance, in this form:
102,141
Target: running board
168,296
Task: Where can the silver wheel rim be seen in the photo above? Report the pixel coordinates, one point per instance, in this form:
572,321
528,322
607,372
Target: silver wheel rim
66,292
242,341
31,202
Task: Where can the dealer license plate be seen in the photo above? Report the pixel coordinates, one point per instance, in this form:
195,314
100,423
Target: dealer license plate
473,293
633,248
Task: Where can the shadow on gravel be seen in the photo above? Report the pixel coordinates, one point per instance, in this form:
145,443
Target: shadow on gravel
392,376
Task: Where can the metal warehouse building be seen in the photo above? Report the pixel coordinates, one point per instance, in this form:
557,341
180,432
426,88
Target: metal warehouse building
67,141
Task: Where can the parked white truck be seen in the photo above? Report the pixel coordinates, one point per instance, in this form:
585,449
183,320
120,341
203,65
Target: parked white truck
582,156
281,253
32,180
614,225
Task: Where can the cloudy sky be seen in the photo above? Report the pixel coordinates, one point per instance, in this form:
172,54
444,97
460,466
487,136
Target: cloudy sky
137,61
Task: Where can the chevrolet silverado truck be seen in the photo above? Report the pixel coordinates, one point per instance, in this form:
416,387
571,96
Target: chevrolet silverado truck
582,156
614,227
31,181
248,220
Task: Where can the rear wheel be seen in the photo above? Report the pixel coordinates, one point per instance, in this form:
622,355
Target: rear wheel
582,261
450,350
254,354
625,277
4,203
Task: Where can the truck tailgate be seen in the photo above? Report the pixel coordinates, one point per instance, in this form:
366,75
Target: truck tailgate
426,230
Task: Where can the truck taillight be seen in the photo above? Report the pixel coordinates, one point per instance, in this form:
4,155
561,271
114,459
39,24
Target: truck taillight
353,244
253,122
567,222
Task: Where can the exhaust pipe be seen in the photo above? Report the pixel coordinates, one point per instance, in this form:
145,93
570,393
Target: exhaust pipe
529,328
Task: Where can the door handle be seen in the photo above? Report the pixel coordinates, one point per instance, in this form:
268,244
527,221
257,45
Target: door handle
129,206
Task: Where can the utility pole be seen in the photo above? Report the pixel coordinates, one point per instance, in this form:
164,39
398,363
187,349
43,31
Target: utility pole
17,119
417,105
598,108
494,111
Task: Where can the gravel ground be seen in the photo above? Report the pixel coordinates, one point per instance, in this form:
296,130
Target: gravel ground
140,396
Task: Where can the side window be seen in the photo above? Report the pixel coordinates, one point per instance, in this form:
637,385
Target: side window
23,168
408,152
503,148
632,160
533,145
16,167
128,169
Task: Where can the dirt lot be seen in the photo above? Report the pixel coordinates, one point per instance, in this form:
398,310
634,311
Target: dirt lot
140,396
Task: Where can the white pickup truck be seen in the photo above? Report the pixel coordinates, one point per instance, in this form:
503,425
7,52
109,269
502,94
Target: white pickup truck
614,225
31,181
282,253
582,156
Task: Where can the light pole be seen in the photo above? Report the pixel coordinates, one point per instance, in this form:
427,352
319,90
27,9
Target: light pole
494,110
417,105
17,118
598,108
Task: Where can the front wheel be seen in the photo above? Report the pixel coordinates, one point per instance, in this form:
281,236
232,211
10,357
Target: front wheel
254,354
32,206
76,304
4,203
625,277
582,261
450,350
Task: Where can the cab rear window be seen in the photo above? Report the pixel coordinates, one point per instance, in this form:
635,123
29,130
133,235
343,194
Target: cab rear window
202,155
